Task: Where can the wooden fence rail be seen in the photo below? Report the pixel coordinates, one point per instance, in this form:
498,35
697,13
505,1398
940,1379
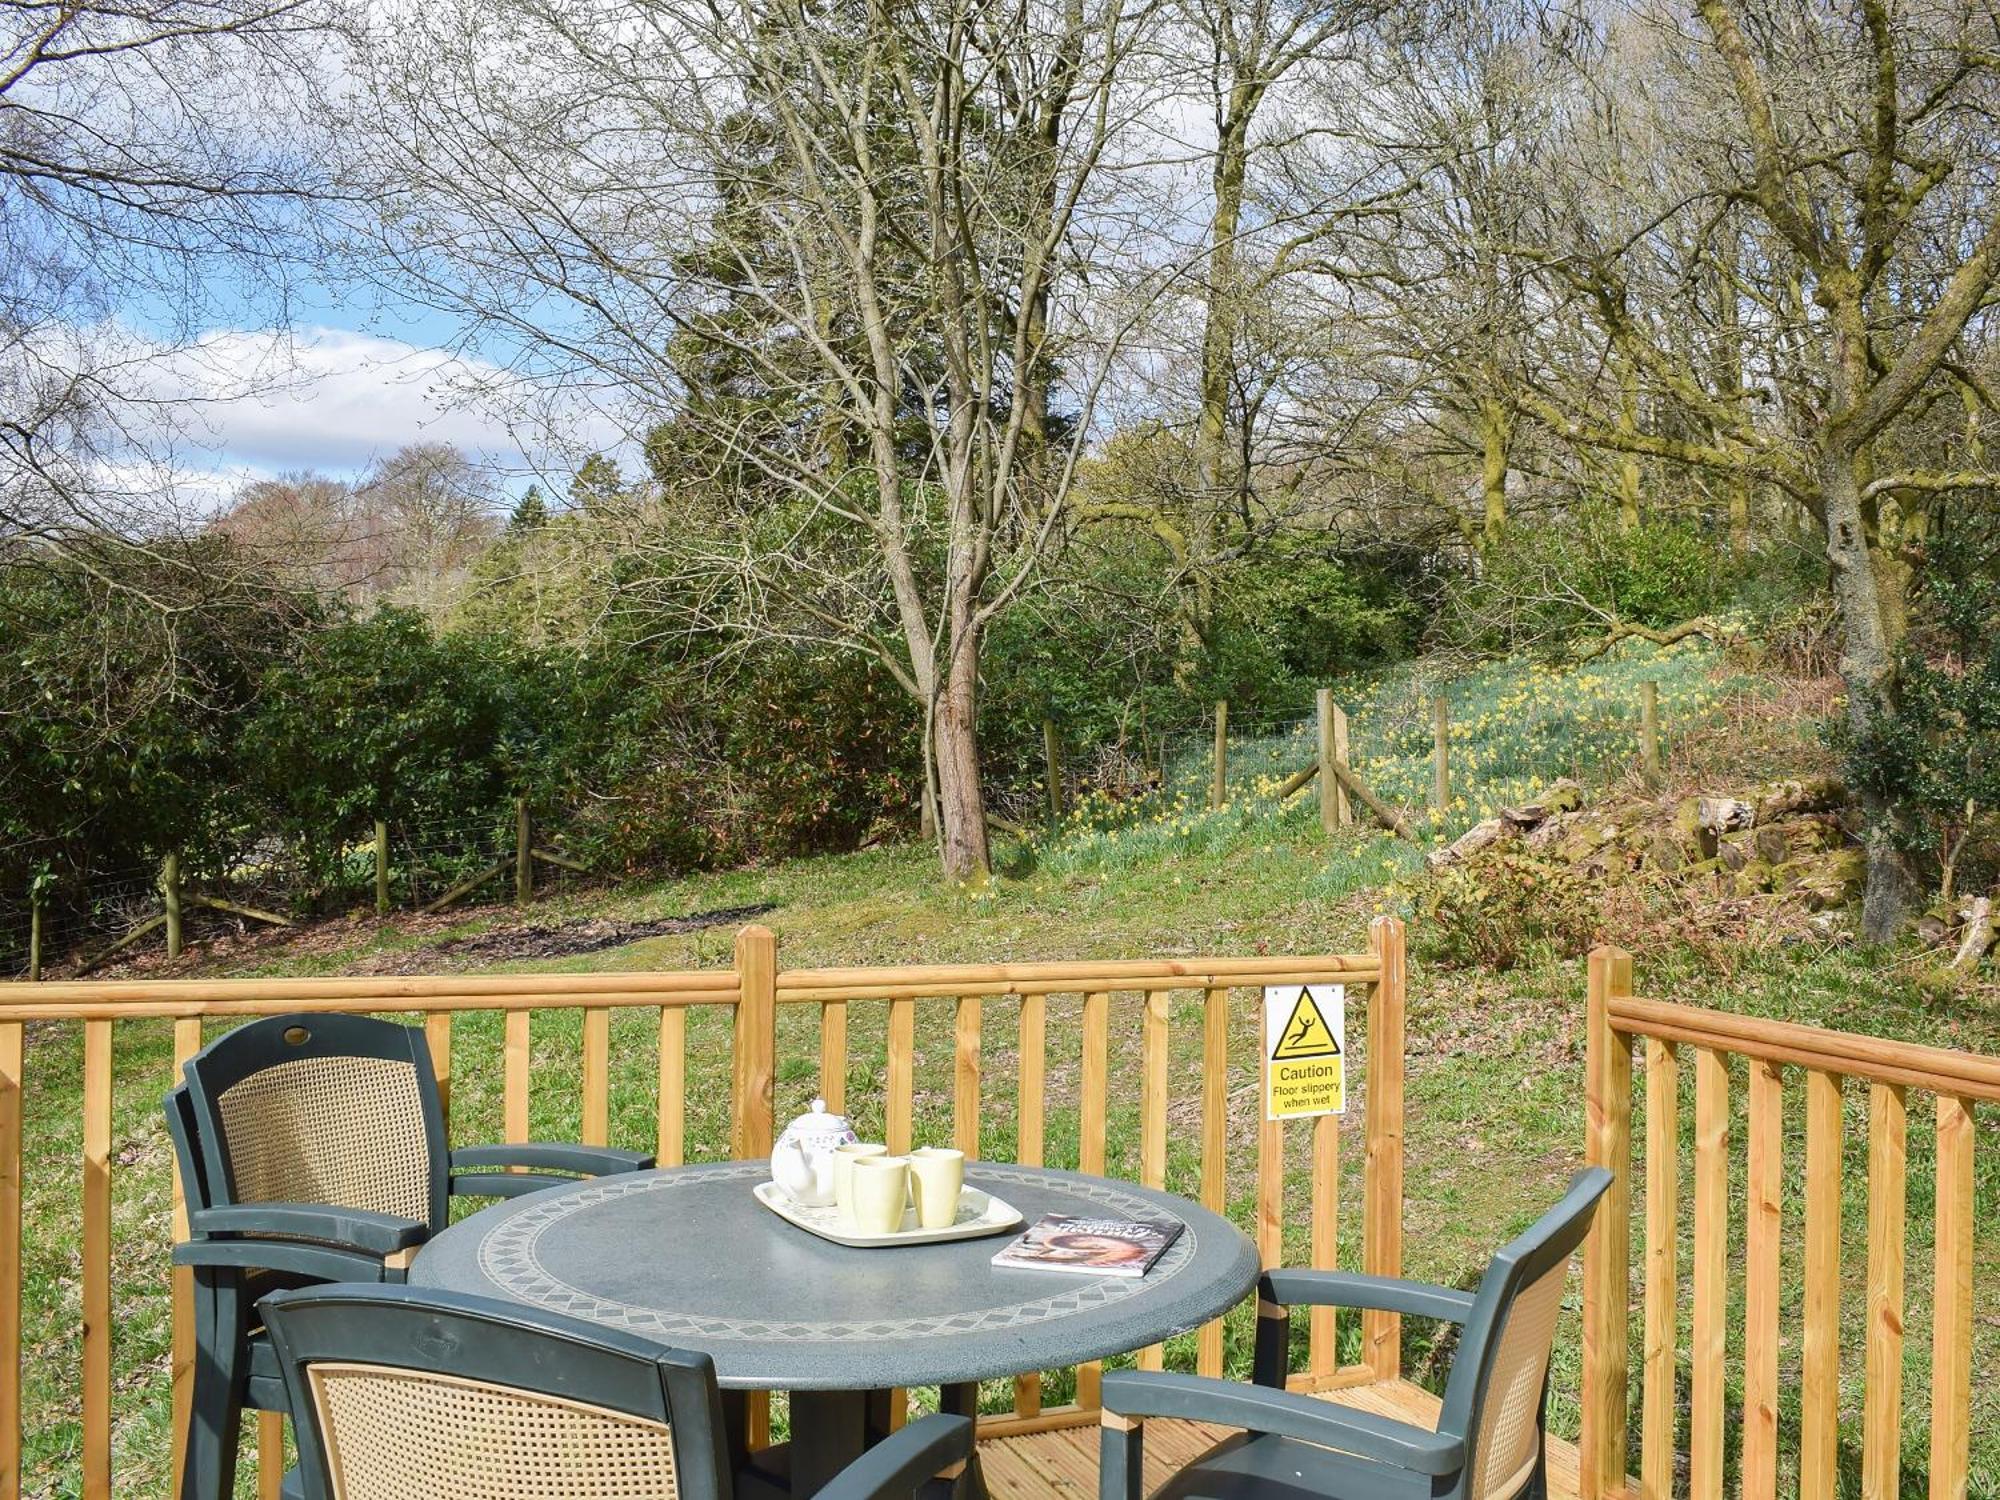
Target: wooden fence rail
952,1000
1780,1062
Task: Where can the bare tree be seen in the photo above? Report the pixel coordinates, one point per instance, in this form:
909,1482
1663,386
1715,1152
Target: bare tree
150,172
898,225
1827,181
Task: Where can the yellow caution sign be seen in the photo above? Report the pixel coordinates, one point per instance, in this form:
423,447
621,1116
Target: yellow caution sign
1305,1051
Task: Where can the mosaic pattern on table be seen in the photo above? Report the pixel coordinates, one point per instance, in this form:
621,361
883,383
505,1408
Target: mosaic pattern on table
510,1259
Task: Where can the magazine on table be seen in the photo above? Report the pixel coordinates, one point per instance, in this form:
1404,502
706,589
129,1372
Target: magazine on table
1090,1247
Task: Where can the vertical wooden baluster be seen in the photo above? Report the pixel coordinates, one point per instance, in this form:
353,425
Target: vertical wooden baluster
1663,1221
902,1073
1819,1360
1951,1314
10,1259
187,1042
437,1040
753,1069
670,1147
1382,1186
96,1266
898,1131
1270,1179
1322,1352
1091,1120
833,1055
1711,1272
597,1076
755,1063
516,1061
1608,1250
1882,1404
1031,1080
1763,1208
1214,1144
270,1455
1154,1038
965,1076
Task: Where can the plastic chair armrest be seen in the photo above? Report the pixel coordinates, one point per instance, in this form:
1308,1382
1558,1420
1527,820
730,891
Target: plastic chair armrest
353,1228
904,1460
1257,1408
552,1156
1420,1299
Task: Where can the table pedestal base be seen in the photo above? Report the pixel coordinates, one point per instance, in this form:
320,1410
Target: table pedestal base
831,1429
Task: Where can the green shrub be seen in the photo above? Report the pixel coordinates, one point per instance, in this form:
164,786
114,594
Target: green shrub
1546,583
1934,753
1499,907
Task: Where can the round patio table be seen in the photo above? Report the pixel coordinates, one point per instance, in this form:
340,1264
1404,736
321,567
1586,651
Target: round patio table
688,1257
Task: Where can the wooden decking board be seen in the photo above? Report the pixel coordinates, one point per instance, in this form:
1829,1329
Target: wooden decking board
1062,1465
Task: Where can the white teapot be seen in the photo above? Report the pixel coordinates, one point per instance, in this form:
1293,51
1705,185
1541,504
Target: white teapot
802,1161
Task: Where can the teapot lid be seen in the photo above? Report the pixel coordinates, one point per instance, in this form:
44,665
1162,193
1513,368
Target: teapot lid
816,1120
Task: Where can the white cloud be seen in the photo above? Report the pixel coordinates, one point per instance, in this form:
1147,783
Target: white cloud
262,402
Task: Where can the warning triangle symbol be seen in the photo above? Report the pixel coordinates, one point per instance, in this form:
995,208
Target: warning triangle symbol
1306,1034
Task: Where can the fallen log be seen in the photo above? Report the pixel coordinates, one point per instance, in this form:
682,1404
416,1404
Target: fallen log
1701,625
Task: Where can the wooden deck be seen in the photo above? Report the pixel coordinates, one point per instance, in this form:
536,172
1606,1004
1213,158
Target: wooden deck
1062,1465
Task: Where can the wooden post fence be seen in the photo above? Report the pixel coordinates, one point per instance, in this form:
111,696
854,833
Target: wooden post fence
1218,789
1331,723
170,893
35,937
1773,1057
1440,756
524,863
381,867
1052,769
1649,731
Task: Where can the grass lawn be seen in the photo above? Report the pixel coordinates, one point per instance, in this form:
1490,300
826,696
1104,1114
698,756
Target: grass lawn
1495,1116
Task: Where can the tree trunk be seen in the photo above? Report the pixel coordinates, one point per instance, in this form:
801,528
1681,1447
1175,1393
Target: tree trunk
1867,666
961,799
1495,428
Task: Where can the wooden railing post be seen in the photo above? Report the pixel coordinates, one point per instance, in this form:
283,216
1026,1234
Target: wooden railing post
11,1254
1607,1252
756,1041
1382,1172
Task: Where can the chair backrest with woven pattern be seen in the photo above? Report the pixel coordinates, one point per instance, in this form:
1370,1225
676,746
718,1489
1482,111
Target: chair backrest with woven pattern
326,1109
1494,1398
400,1392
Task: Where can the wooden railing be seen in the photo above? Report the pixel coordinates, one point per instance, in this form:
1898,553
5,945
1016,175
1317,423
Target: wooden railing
1781,1061
758,994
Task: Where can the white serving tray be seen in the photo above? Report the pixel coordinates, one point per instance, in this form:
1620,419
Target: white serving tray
979,1213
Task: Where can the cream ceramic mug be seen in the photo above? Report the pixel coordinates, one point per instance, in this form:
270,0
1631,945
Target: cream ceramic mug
937,1177
878,1190
844,1158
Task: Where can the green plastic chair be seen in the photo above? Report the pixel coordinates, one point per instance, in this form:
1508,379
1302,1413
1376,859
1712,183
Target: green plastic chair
1490,1436
399,1391
312,1149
